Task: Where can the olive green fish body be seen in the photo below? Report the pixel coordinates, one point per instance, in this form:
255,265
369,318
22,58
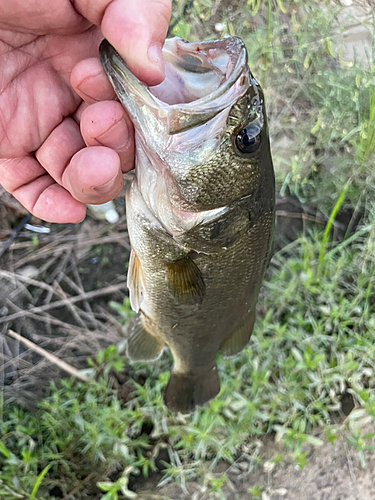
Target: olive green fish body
200,212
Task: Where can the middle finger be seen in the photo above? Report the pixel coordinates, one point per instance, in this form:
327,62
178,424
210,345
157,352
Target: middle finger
90,174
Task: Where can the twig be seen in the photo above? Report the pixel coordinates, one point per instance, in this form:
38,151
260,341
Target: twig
16,362
57,248
4,233
51,357
151,496
317,215
78,287
15,233
77,488
88,314
70,306
47,318
103,314
60,303
55,276
77,334
29,281
288,104
51,278
44,267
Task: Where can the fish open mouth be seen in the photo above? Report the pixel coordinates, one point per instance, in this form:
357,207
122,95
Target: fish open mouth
202,79
197,70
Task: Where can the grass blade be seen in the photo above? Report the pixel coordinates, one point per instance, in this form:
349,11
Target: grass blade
327,230
38,482
4,450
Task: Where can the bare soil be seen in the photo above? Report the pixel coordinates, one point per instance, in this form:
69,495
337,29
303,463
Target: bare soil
333,472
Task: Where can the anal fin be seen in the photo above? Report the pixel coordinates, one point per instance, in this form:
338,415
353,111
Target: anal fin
185,280
141,345
240,336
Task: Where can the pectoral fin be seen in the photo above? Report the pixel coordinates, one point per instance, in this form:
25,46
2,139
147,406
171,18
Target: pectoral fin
134,281
142,346
185,280
240,336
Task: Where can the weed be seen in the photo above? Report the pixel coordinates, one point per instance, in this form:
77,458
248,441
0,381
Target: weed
256,491
118,487
124,310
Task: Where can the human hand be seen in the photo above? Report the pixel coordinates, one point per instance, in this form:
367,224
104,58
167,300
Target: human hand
60,149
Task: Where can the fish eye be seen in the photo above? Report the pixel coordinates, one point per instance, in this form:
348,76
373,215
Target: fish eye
248,139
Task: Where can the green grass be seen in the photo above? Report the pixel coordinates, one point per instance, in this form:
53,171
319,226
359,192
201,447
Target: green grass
314,336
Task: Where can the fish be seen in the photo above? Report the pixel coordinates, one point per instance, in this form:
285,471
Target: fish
200,209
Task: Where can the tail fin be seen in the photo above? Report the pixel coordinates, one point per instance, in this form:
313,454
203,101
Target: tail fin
185,391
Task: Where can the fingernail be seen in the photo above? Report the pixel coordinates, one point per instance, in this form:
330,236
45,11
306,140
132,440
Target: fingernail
155,56
107,187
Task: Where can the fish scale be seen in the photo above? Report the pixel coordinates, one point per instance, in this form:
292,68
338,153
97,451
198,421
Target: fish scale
201,232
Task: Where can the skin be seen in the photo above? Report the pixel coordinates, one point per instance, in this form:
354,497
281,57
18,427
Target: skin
64,139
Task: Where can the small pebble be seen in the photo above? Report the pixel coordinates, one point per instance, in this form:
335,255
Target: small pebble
219,27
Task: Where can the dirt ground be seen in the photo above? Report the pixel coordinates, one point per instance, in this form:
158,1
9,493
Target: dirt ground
333,472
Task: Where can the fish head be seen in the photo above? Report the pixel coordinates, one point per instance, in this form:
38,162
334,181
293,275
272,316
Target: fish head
203,129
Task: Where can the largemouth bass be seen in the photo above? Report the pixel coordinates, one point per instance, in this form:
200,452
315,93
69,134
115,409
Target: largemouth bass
200,209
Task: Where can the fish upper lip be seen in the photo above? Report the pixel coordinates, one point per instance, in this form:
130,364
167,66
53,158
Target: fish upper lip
183,115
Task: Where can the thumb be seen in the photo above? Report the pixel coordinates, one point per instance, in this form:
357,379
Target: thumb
136,28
